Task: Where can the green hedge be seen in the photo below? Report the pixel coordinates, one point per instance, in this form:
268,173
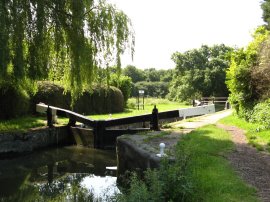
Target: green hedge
51,94
100,100
14,101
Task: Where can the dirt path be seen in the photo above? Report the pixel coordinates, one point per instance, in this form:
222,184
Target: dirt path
253,166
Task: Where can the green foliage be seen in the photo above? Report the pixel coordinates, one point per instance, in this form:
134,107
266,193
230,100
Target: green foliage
61,40
52,94
123,83
14,101
200,173
243,95
200,72
169,183
100,100
134,73
266,12
261,114
152,89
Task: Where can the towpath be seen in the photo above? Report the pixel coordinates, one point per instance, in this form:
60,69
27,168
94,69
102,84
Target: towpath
251,165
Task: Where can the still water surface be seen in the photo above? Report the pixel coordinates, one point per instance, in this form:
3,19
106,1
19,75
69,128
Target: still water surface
64,174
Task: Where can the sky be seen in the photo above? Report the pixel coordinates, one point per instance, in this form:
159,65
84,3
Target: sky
164,27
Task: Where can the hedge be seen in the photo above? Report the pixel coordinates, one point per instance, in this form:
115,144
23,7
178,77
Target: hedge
14,102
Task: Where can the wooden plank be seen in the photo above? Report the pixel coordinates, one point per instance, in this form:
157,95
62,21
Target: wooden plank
42,108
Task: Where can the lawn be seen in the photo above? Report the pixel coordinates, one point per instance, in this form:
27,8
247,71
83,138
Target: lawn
211,174
132,110
257,137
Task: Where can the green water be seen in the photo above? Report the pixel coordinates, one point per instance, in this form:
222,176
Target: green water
64,174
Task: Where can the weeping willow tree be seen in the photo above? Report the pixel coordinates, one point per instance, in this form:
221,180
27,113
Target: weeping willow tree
65,40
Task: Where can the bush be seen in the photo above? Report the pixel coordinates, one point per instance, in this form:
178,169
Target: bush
261,114
171,182
51,94
98,101
123,83
14,101
101,100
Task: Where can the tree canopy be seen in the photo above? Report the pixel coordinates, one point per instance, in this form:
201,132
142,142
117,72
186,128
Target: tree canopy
65,40
247,77
200,72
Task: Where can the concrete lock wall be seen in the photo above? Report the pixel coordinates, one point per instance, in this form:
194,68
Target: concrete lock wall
132,157
21,142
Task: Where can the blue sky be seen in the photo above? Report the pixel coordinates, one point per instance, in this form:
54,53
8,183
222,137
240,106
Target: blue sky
164,27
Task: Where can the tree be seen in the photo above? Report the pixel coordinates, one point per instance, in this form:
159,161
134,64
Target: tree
200,72
65,39
134,73
242,76
266,12
122,82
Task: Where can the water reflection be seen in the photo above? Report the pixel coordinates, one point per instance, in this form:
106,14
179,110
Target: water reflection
66,174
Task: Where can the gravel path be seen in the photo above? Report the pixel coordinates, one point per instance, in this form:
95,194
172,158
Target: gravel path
253,166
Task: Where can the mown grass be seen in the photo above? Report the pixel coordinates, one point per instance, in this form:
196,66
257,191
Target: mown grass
211,174
256,136
22,124
132,110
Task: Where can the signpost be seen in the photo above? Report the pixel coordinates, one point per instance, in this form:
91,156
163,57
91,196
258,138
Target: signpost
140,94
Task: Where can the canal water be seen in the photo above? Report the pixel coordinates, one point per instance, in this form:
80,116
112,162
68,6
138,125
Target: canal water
64,174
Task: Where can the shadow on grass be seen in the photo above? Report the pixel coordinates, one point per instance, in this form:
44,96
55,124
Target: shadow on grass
211,174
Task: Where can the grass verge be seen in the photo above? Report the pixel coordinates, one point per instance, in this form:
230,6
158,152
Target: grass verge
23,124
256,137
200,173
212,176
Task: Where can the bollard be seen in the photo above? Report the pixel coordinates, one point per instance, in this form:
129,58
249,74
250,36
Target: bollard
161,151
162,147
49,117
154,120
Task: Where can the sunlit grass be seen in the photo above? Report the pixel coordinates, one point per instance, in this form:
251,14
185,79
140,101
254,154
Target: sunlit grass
132,110
22,124
256,136
211,174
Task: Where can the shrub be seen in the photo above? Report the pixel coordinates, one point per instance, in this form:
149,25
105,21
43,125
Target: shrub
51,94
171,182
101,100
123,83
14,101
261,114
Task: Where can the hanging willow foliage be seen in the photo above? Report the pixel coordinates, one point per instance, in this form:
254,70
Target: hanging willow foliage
64,40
